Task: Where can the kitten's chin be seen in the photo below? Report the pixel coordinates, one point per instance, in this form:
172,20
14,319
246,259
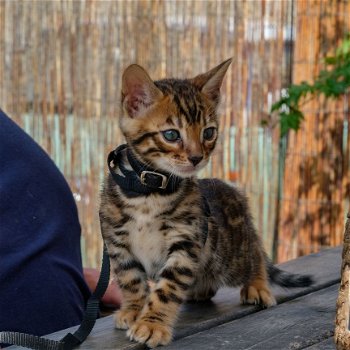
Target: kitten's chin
185,170
180,170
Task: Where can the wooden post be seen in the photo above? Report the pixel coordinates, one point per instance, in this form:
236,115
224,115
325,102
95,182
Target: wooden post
342,332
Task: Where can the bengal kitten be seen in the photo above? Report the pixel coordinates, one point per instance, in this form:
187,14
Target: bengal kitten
161,223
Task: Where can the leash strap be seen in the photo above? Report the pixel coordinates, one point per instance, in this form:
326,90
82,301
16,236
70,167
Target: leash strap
70,340
30,341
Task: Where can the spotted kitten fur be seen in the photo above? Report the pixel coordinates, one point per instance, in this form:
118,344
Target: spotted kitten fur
190,239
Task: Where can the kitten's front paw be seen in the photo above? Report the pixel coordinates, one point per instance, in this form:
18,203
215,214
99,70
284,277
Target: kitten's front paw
152,334
124,319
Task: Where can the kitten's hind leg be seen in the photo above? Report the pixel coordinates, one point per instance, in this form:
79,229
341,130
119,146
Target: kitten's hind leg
257,290
201,295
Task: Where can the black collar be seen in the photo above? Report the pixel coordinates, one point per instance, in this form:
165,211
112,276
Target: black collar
142,180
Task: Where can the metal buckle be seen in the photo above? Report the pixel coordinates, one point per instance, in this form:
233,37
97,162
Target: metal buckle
164,178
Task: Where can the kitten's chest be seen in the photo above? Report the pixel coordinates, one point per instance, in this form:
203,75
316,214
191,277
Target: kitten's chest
147,242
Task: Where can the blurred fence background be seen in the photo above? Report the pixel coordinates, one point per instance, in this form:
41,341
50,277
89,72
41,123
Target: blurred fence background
60,71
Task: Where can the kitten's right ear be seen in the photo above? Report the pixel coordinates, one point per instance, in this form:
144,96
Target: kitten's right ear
210,82
138,91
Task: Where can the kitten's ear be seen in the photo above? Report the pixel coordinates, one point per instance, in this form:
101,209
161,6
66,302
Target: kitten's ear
138,90
209,83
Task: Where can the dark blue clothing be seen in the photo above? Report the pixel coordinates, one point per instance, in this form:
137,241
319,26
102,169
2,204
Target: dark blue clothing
42,288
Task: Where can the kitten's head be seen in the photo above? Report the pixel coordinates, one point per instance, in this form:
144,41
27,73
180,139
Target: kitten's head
171,124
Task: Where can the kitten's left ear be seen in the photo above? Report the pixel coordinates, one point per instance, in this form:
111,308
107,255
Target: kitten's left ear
209,83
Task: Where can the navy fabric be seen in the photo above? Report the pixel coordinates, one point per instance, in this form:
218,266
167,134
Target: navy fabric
42,288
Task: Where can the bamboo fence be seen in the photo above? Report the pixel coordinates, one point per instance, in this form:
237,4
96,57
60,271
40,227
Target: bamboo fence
60,71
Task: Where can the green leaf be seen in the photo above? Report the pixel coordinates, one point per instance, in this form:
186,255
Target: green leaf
276,106
296,92
331,60
332,82
290,120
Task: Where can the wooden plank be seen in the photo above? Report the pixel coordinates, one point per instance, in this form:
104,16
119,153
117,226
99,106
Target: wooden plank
324,266
296,324
293,325
224,307
327,344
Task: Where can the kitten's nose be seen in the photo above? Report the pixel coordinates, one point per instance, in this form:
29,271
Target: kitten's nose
195,159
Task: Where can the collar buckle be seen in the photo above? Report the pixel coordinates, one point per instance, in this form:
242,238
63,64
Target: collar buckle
151,179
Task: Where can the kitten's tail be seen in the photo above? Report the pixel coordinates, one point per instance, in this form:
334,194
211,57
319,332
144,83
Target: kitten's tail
287,279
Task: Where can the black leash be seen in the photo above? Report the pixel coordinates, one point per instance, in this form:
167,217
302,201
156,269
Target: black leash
70,341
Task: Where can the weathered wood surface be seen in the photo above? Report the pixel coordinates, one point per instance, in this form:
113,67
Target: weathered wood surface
224,309
327,344
295,324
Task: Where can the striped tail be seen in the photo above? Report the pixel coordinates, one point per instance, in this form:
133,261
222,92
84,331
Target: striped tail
287,279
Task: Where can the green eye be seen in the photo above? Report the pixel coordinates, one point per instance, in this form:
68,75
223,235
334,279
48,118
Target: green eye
208,134
171,135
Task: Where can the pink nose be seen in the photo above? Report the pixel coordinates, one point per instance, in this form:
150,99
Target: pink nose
195,160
